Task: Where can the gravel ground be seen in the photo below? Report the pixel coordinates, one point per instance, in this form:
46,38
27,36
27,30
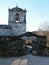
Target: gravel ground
25,60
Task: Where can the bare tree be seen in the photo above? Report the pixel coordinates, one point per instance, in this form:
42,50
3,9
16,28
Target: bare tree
44,26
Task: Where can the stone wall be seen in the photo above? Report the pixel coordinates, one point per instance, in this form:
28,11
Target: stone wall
46,33
11,46
18,28
5,32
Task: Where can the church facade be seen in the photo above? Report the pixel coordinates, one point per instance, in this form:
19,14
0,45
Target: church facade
16,23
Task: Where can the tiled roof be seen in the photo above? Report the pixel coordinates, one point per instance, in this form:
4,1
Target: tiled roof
29,34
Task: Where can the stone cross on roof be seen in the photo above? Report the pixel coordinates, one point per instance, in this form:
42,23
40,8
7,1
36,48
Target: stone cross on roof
16,5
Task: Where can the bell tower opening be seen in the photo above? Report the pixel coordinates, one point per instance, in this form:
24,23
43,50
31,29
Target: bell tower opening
17,17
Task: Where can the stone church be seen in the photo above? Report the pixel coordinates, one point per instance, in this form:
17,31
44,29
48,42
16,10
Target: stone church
16,36
16,23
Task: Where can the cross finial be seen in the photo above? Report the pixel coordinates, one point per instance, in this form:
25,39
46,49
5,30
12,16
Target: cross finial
17,5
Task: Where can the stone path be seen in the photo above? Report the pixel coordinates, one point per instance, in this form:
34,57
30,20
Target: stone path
25,60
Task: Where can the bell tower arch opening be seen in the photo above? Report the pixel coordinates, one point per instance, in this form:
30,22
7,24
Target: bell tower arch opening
17,17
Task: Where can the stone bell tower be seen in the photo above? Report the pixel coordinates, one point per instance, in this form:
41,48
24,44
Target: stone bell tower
17,21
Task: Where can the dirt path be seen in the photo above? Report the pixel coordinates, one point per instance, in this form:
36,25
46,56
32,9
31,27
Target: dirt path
25,60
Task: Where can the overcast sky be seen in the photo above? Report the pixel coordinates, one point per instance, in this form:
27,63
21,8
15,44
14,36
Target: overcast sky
37,11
